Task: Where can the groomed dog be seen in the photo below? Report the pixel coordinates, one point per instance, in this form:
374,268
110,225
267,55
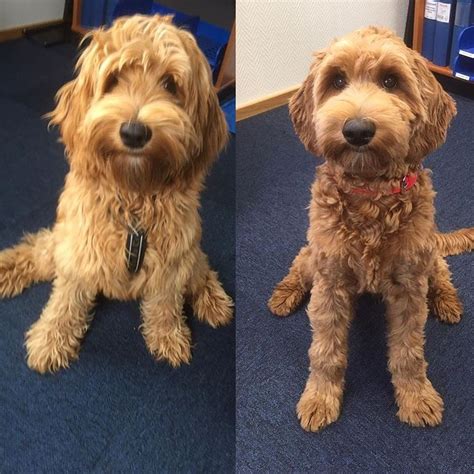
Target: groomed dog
141,125
372,109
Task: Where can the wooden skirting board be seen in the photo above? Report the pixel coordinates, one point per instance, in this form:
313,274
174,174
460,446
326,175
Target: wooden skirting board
17,31
264,104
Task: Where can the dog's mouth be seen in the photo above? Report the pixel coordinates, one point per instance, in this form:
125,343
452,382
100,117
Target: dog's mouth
135,153
359,150
134,156
357,153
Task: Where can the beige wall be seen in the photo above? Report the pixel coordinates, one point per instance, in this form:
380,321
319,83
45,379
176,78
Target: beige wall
24,12
275,38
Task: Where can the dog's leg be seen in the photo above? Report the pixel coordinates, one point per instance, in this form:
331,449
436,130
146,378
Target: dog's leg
442,296
209,301
330,311
164,328
29,262
290,292
418,402
54,340
454,243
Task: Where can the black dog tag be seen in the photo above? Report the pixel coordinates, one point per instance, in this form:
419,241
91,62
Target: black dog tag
135,250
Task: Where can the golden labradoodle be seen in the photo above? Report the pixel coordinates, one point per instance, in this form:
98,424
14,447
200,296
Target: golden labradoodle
141,125
373,110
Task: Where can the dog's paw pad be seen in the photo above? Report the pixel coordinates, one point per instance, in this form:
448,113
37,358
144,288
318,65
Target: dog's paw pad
316,410
421,407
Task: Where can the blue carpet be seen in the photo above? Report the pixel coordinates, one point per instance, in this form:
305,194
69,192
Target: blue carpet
274,174
115,410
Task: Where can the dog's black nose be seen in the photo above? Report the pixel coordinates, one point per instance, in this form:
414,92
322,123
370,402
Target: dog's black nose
358,132
135,134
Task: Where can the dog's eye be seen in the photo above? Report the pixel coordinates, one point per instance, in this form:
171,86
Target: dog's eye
110,83
390,81
169,84
339,82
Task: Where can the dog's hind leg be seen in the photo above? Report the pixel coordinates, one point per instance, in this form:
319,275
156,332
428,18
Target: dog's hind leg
209,301
454,243
29,262
442,296
290,292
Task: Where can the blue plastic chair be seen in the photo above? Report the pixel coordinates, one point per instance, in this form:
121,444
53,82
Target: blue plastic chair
464,63
211,39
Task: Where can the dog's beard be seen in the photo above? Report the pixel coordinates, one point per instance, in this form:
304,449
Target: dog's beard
142,172
160,162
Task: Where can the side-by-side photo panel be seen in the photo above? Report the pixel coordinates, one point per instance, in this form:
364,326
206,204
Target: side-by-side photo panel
353,320
117,236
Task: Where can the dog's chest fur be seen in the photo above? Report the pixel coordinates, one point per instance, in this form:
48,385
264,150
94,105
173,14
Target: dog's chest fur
94,223
371,240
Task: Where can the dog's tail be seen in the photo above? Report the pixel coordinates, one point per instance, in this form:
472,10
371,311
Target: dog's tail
29,262
454,243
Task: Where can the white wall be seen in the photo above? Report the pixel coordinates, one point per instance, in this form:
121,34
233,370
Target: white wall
275,38
25,12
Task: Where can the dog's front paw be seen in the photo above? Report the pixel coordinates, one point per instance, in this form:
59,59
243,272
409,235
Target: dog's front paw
286,297
50,347
447,307
212,305
173,347
420,407
317,409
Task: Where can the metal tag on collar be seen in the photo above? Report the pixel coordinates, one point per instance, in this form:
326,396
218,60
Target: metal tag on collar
135,249
404,183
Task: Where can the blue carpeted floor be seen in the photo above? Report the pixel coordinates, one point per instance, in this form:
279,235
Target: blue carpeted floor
115,410
274,174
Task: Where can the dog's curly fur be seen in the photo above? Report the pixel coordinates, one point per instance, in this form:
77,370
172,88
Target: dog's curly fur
376,242
142,68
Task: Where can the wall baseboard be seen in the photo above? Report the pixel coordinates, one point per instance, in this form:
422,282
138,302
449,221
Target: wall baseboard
17,31
265,104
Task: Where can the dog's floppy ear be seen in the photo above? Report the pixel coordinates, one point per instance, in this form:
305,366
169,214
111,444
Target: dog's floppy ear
66,114
439,109
73,98
215,130
302,107
202,102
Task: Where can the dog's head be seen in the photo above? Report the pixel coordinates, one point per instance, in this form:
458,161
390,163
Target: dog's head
371,105
142,107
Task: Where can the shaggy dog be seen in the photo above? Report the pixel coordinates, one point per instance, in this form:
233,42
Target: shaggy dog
373,110
141,125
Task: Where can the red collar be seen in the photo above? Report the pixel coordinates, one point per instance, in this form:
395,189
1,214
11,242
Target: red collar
406,183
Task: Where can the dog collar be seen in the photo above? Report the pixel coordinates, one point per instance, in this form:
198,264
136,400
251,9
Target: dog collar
406,183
